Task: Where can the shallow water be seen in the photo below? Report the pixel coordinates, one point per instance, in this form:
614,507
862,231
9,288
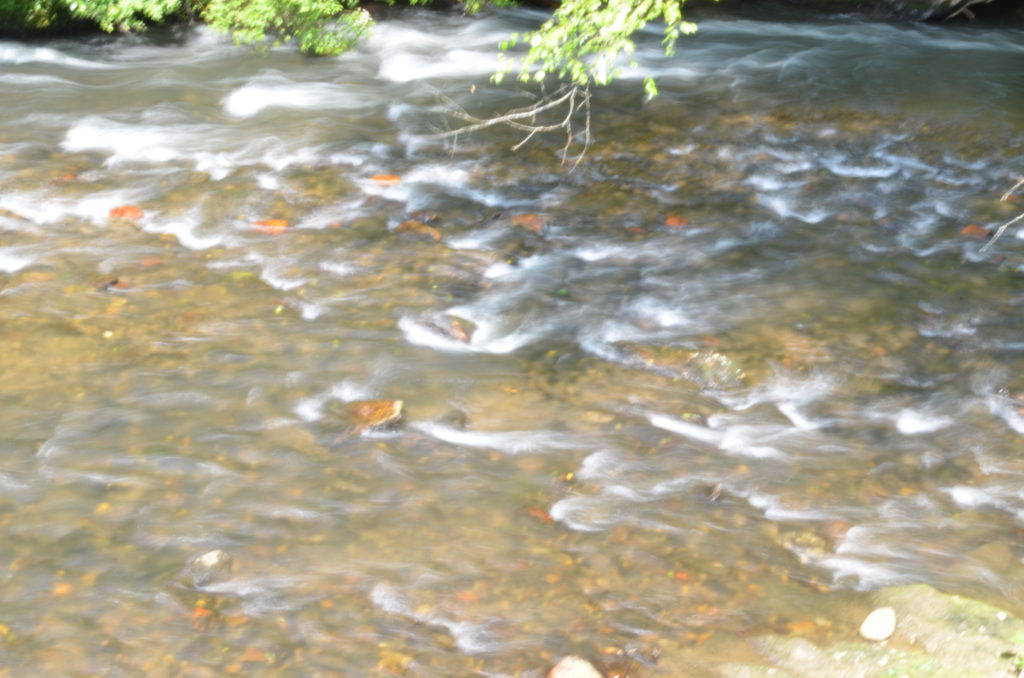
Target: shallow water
741,367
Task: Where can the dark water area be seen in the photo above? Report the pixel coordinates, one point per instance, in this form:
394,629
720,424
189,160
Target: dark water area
743,364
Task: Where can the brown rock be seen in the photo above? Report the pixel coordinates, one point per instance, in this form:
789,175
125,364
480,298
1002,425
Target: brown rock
530,222
368,415
455,328
417,230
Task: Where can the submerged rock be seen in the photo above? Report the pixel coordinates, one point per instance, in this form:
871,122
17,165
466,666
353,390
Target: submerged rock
806,545
573,667
425,216
369,415
708,368
454,328
529,222
879,625
417,230
210,567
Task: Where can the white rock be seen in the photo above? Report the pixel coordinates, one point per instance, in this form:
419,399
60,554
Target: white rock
210,567
573,667
213,559
879,625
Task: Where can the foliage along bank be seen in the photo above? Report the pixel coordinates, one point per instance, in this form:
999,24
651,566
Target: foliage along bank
582,43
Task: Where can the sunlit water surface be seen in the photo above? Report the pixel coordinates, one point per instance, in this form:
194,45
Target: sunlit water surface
740,367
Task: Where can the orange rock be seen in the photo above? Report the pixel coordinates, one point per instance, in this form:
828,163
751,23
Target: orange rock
367,415
126,212
271,226
976,232
467,596
253,654
530,222
62,588
801,627
538,514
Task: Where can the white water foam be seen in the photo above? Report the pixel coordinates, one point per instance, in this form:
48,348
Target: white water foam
469,637
600,464
16,53
186,229
338,268
840,167
488,336
277,91
864,556
273,271
735,439
783,390
11,261
582,513
1007,410
191,144
457,63
661,314
913,422
510,442
41,208
969,497
131,143
774,508
311,407
420,334
785,208
348,391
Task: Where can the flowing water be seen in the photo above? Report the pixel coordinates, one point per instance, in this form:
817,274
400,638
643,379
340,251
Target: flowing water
740,366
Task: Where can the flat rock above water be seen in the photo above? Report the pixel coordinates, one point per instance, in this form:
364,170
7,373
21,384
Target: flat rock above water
937,636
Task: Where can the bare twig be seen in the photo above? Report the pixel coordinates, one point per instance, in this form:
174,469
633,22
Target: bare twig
1002,228
1011,222
963,9
1006,196
574,98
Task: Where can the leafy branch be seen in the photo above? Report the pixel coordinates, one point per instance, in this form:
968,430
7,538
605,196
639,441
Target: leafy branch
582,41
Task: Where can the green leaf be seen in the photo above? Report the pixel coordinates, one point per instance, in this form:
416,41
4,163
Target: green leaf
583,40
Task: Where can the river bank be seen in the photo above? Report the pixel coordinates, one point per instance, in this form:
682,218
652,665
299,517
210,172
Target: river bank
936,636
930,635
17,23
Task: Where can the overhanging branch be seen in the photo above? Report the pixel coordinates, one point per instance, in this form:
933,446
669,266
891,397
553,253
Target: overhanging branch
573,98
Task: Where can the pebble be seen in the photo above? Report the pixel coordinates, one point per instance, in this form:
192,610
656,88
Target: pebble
879,625
573,667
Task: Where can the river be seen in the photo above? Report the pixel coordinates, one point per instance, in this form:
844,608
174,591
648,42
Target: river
743,364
